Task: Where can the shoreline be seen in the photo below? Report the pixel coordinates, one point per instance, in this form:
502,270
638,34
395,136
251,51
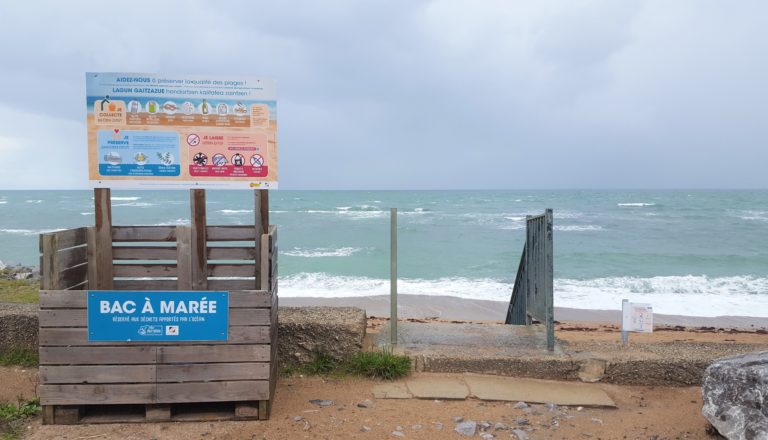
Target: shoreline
454,308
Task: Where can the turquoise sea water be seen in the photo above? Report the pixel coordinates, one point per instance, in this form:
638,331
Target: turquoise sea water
686,252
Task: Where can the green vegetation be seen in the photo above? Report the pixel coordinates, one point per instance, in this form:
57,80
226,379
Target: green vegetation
19,356
12,417
20,291
375,365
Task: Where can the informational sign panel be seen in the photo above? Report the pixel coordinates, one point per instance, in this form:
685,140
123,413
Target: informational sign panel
157,316
174,131
637,317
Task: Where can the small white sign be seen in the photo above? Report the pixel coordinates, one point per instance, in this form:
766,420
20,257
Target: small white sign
172,330
637,317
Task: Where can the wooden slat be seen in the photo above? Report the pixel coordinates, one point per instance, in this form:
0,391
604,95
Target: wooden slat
231,233
213,353
143,233
231,253
49,262
92,394
184,257
231,270
73,276
198,241
145,270
73,257
219,284
67,238
103,239
62,336
145,284
61,374
213,372
144,252
80,286
79,317
212,391
98,355
265,281
259,229
69,299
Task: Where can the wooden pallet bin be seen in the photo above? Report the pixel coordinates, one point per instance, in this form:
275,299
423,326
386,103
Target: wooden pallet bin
85,382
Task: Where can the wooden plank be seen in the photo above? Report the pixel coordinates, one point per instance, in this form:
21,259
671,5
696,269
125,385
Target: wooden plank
231,270
69,299
145,284
212,391
93,394
264,211
231,233
259,229
79,317
247,410
231,253
143,233
124,355
69,238
213,353
103,236
93,268
144,252
64,336
219,284
48,411
61,374
145,270
198,241
73,257
73,276
184,258
264,271
264,409
212,372
67,415
158,413
49,270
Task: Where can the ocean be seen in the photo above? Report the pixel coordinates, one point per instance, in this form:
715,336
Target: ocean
699,253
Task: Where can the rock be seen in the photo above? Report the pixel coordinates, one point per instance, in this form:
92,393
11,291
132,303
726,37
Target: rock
520,405
735,394
592,370
484,425
438,426
336,332
521,421
398,433
457,419
550,406
398,428
520,434
468,428
365,429
321,402
298,418
500,427
365,404
417,426
596,420
487,436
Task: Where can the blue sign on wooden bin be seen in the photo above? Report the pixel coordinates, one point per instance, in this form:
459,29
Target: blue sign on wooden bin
128,316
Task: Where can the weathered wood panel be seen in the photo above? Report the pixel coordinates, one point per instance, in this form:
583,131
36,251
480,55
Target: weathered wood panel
231,270
63,336
145,284
79,317
94,394
213,372
69,299
73,276
143,233
102,252
66,238
219,284
73,256
198,242
94,374
144,252
213,353
145,270
231,233
212,391
122,355
231,253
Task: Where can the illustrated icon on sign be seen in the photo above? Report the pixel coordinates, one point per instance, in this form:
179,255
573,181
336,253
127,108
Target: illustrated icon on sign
219,160
257,160
193,140
238,160
200,159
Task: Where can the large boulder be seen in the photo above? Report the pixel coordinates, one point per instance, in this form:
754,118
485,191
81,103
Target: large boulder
735,392
304,332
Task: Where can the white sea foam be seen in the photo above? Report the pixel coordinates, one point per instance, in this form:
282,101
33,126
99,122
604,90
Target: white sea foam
678,295
636,204
751,215
3,202
28,231
87,213
135,204
35,202
578,228
322,252
128,199
178,221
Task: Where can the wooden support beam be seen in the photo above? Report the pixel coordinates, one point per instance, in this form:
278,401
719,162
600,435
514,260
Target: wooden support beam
198,241
102,251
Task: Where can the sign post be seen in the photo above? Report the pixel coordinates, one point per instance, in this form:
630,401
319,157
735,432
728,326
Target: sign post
635,317
393,275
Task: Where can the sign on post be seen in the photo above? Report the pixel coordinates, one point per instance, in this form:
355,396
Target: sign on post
636,317
127,316
177,131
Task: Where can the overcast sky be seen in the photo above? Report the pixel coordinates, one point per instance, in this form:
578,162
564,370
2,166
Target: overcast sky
411,94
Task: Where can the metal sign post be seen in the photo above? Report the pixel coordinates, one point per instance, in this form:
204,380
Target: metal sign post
393,275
